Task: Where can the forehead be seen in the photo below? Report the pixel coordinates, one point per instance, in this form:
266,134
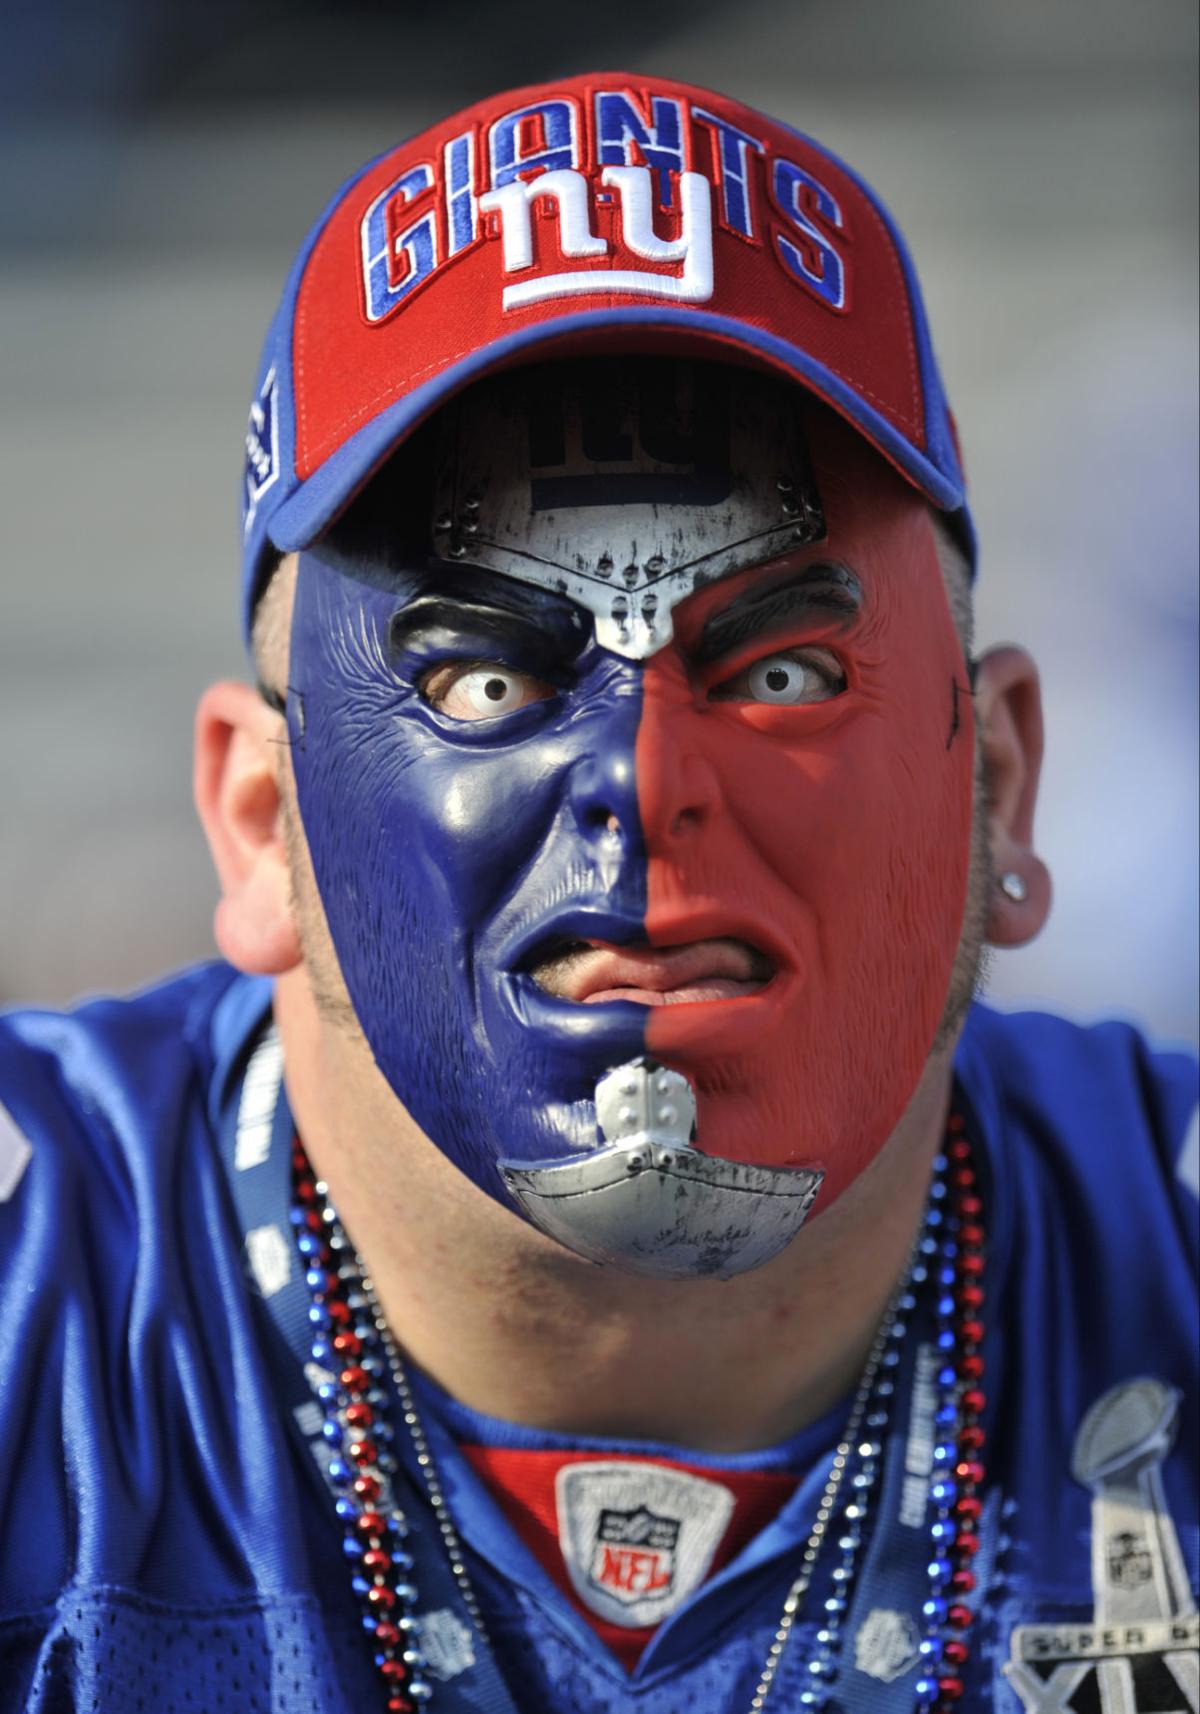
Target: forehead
647,492
624,486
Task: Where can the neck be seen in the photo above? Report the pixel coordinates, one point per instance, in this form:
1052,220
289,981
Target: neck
516,1327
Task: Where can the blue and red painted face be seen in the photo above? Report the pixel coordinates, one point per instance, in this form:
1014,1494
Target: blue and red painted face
746,856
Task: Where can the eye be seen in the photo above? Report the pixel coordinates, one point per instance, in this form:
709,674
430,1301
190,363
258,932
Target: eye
481,690
785,680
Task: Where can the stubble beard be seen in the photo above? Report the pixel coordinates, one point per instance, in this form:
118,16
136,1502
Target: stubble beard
325,978
972,957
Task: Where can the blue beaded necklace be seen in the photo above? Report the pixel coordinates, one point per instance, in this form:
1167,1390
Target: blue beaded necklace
352,1348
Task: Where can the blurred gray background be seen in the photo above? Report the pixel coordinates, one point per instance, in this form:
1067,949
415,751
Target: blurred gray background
160,163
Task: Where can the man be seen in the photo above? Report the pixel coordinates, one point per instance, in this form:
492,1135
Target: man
578,1253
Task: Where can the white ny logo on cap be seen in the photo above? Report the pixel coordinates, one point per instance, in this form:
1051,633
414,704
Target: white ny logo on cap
568,190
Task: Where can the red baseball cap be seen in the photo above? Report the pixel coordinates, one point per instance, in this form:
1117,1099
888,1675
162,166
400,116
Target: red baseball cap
598,213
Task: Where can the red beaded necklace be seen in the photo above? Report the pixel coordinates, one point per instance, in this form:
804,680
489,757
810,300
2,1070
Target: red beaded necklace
352,1343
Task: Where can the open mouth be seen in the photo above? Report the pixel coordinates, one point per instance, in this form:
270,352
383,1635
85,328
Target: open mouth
589,972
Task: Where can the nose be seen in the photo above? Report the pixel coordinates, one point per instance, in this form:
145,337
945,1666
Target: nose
679,789
602,794
680,793
603,788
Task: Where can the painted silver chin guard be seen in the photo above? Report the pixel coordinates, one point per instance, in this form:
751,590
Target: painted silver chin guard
648,1202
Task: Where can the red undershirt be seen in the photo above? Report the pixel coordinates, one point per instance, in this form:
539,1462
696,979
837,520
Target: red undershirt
522,1481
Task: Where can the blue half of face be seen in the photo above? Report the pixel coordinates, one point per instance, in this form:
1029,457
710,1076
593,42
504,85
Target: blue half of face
452,851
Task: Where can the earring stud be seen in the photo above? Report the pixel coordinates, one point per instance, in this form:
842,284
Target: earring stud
1013,887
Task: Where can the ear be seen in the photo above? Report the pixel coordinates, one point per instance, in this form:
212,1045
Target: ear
1008,709
236,785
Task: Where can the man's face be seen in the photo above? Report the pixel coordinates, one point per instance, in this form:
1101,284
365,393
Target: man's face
746,856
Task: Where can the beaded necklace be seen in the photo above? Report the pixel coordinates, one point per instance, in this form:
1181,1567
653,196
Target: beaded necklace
352,1344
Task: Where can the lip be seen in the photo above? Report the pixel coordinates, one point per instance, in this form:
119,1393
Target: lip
667,929
577,922
686,1036
686,922
616,1030
591,972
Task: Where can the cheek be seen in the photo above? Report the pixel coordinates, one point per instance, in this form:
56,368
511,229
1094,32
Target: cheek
789,812
841,848
403,825
465,823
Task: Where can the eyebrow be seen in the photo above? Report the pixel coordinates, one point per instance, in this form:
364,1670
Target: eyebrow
821,589
539,632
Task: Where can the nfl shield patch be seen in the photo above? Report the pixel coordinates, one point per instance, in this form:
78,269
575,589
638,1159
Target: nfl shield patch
637,1537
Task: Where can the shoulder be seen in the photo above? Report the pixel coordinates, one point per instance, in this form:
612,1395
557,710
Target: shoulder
1091,1317
107,1112
1088,1136
1098,1100
96,1085
116,1253
1089,1139
109,1031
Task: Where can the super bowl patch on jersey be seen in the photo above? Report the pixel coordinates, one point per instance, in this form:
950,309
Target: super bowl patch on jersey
1137,1652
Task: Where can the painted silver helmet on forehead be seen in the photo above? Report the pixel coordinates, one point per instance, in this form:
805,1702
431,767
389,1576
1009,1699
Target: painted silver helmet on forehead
625,485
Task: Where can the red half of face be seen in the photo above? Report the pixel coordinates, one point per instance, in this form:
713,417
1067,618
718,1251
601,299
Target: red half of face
831,836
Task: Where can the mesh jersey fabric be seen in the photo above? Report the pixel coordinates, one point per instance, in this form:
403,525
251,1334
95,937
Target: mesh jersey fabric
167,1547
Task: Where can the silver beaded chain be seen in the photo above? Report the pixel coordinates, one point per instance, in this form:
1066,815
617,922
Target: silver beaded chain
848,1447
852,1453
425,1459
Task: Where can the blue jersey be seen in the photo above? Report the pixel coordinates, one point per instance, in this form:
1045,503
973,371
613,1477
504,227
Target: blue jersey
169,1541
